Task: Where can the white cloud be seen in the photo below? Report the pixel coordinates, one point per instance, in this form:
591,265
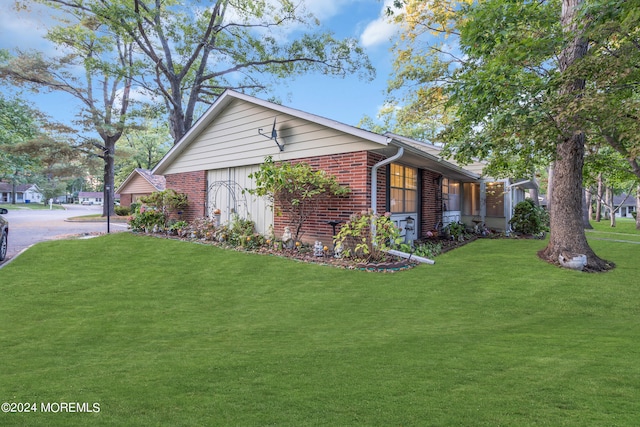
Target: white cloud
379,30
325,9
24,29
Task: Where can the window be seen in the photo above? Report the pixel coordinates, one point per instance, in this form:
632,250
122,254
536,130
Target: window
403,194
471,194
495,199
451,195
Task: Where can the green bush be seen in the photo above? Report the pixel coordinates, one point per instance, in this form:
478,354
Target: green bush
149,220
529,219
358,239
455,231
122,210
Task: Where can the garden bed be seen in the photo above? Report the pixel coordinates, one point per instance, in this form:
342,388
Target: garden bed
304,253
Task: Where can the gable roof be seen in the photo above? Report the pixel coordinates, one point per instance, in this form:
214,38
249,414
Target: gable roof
418,153
7,187
229,96
157,181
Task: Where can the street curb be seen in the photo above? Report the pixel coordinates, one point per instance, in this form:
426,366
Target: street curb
10,260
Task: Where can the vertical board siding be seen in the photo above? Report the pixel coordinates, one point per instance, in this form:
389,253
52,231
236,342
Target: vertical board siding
227,192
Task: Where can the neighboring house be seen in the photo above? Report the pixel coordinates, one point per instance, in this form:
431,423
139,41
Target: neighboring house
25,193
139,183
625,205
387,173
93,197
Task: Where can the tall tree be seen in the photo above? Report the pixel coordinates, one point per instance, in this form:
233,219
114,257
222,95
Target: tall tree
193,51
18,126
103,86
532,80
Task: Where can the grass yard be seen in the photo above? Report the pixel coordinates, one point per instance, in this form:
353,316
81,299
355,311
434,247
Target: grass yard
31,206
165,332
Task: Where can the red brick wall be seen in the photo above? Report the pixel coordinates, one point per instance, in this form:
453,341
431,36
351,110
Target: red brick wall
351,170
125,199
194,184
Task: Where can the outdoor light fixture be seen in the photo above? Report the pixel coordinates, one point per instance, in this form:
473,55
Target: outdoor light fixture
410,223
273,136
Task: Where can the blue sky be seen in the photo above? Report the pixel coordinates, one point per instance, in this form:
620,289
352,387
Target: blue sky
346,100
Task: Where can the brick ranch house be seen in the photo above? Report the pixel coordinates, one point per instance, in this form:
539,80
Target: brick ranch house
386,173
139,183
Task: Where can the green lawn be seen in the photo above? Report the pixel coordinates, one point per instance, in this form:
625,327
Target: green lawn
32,206
164,332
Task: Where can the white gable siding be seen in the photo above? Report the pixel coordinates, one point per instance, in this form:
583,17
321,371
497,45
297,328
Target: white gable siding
225,193
138,185
233,140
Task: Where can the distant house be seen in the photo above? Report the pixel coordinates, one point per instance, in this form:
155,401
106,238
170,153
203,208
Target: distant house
139,183
25,193
93,197
625,205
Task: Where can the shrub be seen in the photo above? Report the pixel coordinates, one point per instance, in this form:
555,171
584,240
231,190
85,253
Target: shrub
240,232
166,202
367,236
298,189
455,231
122,210
529,219
148,220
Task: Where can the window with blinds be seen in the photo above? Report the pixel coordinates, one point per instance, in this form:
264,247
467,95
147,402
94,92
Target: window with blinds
403,191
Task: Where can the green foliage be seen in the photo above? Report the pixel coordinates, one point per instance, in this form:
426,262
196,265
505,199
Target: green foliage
296,189
195,51
166,202
240,232
147,220
17,126
122,210
425,249
529,219
366,236
155,212
455,231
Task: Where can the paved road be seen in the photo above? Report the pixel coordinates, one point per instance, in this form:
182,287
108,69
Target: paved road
27,226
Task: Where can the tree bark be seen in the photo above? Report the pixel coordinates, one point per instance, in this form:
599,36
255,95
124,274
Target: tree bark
611,206
109,178
550,186
599,199
586,209
567,237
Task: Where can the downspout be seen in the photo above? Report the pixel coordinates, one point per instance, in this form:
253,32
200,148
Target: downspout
374,177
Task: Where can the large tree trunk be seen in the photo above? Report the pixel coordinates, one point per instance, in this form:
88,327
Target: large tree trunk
109,175
567,237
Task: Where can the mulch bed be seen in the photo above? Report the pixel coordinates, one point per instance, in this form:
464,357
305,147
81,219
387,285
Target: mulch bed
390,264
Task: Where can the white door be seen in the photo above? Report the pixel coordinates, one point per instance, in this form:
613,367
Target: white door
228,195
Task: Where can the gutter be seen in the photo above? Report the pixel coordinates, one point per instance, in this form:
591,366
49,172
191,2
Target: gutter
374,177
